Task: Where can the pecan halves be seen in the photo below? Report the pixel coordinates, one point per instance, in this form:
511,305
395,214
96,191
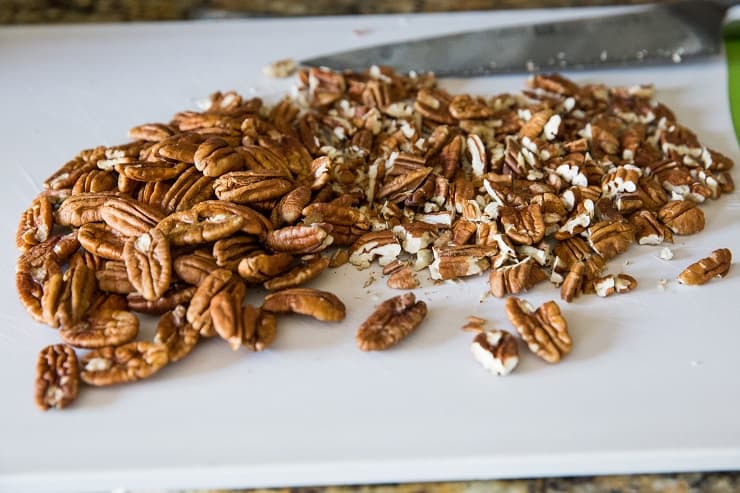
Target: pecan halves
57,377
128,363
544,330
496,350
202,226
198,313
149,263
613,284
36,223
609,238
717,264
250,187
682,217
102,328
320,305
262,267
525,226
239,325
300,239
176,333
300,274
391,322
214,157
130,217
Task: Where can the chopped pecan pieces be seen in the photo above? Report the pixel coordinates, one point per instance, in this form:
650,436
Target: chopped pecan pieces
496,350
611,284
515,279
717,264
544,330
392,321
683,217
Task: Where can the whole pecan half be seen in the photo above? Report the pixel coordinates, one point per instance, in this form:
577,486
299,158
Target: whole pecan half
544,330
300,239
717,264
198,313
194,267
683,217
149,263
122,364
249,187
215,156
197,227
102,328
320,305
113,278
300,274
57,377
262,267
391,322
36,223
176,333
130,217
240,325
496,350
609,238
178,294
101,240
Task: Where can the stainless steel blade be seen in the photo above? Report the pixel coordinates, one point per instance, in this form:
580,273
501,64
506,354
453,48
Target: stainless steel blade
667,33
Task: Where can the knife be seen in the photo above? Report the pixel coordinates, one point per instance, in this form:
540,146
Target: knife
658,34
663,33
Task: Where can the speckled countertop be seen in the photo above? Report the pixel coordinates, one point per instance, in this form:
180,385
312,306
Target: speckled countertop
51,11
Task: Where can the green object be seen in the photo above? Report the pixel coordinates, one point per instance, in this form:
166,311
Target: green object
732,48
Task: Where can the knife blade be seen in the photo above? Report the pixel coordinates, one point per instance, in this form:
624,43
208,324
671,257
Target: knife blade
666,33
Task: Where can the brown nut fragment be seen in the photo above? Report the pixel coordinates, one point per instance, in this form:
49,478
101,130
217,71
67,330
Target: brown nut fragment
648,230
381,244
289,209
460,261
339,258
496,350
544,330
57,377
130,217
517,278
262,267
610,238
613,284
474,324
299,239
178,336
572,286
300,274
128,363
533,127
682,217
403,278
717,264
320,305
101,329
149,264
391,322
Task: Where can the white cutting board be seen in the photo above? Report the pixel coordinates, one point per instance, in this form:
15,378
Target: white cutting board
651,385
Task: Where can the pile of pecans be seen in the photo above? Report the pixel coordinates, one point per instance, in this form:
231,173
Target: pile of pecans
544,185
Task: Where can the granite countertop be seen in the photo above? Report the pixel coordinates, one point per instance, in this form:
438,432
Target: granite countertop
56,11
47,11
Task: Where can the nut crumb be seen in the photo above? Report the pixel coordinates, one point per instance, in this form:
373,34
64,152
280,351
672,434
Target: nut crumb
280,69
665,253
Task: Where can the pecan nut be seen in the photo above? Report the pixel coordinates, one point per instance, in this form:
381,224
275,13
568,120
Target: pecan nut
149,264
717,264
320,305
300,274
544,330
613,284
252,187
130,217
610,238
176,295
524,226
496,350
391,322
683,217
262,267
300,239
102,328
128,363
57,377
198,313
176,333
